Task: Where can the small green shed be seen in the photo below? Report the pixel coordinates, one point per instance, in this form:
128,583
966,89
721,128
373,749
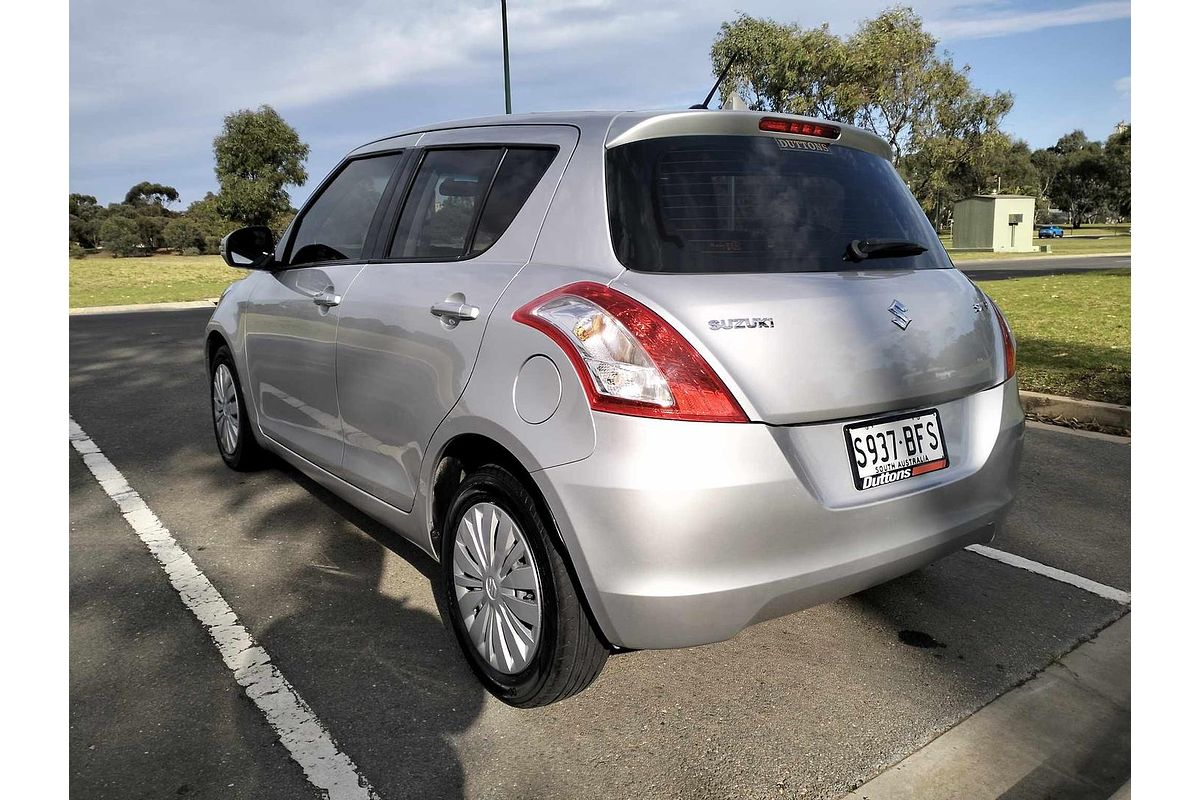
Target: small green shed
996,222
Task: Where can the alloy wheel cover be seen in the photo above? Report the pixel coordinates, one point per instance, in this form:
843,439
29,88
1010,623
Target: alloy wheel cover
498,589
225,409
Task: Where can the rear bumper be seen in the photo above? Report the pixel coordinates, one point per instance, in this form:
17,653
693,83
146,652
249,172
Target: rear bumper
684,533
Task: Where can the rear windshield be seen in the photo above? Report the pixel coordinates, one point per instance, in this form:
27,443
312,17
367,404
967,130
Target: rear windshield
758,204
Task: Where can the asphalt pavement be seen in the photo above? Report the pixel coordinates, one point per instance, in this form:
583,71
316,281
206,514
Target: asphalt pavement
810,705
1025,267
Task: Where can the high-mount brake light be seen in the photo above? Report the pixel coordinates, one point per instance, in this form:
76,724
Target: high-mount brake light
1010,347
777,125
629,359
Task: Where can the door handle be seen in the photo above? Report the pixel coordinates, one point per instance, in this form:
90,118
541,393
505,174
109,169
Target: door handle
453,312
327,299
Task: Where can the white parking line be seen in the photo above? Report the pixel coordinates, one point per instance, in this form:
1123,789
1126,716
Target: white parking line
299,730
1087,584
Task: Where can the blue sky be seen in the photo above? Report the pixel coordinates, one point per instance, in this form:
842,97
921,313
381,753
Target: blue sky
152,79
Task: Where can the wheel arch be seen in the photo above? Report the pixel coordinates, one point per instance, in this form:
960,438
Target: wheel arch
216,336
213,342
467,451
462,454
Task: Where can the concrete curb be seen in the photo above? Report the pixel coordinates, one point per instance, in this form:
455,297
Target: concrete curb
1109,415
1037,425
87,310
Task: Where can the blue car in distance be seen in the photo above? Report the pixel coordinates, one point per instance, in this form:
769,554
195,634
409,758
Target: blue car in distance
1050,232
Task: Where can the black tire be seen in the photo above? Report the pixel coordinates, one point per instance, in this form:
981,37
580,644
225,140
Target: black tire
569,654
247,454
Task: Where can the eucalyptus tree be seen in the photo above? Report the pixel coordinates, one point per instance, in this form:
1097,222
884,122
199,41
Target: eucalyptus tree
887,76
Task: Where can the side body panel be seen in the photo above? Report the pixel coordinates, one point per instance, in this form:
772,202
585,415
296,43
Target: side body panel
228,321
400,369
290,359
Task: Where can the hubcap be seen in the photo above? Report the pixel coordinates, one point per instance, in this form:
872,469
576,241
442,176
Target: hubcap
498,589
225,409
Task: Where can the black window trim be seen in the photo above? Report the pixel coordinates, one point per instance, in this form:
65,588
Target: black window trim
377,219
469,242
417,158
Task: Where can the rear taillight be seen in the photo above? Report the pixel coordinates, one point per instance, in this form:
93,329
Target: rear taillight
1010,348
629,359
777,125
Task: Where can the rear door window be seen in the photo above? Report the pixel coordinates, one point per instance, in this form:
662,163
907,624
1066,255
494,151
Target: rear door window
758,204
335,225
443,203
462,200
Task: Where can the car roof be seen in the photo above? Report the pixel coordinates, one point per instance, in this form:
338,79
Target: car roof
579,119
620,127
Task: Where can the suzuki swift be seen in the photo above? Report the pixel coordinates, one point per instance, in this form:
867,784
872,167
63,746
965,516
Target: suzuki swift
635,380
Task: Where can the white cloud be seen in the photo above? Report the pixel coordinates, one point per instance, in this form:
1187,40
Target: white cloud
301,54
1122,86
960,26
151,79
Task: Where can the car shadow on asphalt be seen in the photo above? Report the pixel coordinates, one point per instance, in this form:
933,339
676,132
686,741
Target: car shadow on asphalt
385,676
381,672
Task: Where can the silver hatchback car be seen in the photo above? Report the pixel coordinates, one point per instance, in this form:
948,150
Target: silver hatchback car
635,380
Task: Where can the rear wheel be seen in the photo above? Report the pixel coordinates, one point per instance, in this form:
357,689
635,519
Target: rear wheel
235,440
510,598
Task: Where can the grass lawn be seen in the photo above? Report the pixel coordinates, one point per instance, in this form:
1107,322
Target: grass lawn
1072,332
100,280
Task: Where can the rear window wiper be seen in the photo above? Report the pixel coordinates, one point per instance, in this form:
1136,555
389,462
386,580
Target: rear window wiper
862,249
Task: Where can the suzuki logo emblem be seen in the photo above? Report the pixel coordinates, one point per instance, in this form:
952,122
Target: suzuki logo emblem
900,314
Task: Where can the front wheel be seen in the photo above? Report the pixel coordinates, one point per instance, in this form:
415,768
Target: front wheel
511,602
235,439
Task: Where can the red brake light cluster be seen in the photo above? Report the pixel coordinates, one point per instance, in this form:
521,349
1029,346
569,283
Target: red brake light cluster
777,125
629,359
1010,348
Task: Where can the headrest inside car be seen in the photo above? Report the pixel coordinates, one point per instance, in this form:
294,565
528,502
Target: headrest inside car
453,187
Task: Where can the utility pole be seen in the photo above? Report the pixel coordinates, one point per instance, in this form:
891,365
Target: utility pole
507,85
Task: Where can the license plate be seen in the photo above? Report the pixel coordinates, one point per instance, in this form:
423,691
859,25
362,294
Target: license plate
888,450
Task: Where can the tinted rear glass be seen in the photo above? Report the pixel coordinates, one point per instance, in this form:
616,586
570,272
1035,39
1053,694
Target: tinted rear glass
757,204
520,171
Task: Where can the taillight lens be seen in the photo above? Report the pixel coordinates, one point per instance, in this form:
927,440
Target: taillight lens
629,359
1010,347
777,125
